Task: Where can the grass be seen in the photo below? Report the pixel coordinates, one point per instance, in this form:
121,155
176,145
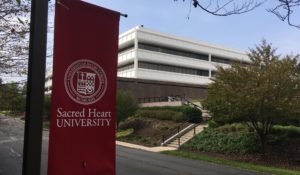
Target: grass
46,124
11,114
124,133
289,128
240,165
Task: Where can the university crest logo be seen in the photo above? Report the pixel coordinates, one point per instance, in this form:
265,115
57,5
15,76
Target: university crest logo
85,82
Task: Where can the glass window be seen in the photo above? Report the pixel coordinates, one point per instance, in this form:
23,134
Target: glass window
126,48
172,51
125,67
227,61
169,68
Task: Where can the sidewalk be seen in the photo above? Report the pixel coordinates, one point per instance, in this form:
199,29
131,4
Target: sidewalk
151,149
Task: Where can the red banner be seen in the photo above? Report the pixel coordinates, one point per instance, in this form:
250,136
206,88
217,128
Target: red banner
82,132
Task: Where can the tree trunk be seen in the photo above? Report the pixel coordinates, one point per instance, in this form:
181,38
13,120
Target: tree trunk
262,138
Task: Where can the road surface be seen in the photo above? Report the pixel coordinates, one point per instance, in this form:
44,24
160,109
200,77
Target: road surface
129,161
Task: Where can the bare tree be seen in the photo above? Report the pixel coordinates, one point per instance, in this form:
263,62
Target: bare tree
285,10
225,7
14,35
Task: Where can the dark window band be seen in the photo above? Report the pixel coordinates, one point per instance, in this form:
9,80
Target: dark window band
168,68
131,46
218,59
125,67
172,51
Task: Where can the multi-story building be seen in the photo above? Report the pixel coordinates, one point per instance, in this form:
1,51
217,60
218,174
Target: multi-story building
155,65
151,55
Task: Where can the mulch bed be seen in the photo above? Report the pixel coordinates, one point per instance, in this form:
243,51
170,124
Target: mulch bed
149,132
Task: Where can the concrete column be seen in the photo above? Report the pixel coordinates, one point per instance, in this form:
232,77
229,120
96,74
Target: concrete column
209,59
135,53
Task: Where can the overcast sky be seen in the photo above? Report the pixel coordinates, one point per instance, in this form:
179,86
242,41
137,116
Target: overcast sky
239,31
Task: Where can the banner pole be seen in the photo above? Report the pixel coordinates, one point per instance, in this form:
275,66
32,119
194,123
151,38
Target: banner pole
35,88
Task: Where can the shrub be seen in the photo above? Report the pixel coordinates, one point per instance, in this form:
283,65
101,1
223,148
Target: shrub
277,139
224,128
178,117
126,105
285,132
213,124
234,127
171,108
47,107
177,113
192,115
134,123
161,114
229,143
291,120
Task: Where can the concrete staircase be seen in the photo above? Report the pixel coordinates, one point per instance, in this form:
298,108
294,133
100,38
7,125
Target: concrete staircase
181,139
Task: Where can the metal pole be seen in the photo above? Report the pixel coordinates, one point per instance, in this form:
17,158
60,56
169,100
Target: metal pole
35,88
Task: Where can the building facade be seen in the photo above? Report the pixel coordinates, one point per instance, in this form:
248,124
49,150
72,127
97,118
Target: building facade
156,66
150,55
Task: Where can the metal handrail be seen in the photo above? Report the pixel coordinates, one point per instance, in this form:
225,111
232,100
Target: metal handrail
188,102
179,134
200,107
174,131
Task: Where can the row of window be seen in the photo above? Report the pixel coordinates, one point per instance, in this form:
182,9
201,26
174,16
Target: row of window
220,60
168,68
178,52
125,67
129,47
172,51
227,61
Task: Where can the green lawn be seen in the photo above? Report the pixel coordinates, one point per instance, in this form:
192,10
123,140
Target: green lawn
240,165
124,133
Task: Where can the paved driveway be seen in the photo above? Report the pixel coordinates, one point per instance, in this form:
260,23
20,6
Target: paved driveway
129,161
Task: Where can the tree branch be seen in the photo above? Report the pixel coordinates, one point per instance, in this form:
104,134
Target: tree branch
225,8
285,10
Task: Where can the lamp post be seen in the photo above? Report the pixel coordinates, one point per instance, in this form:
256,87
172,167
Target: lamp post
35,88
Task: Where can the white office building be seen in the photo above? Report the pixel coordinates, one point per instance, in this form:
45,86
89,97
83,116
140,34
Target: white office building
150,55
155,65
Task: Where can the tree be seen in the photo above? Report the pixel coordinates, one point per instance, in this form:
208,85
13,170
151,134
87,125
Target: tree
14,30
192,114
126,105
47,107
12,97
285,10
261,94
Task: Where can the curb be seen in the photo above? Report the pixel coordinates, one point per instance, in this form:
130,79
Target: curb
150,149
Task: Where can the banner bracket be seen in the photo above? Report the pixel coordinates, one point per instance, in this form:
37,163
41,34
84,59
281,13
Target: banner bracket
124,15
